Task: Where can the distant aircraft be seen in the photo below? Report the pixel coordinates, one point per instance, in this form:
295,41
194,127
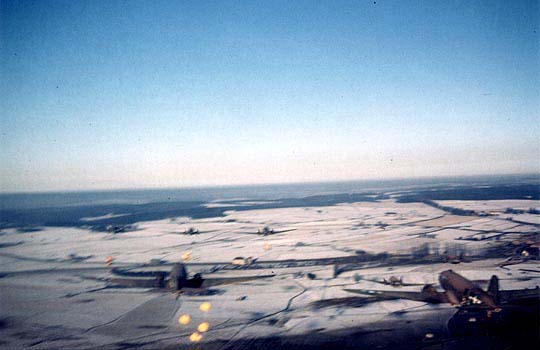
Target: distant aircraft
458,291
176,280
393,281
267,231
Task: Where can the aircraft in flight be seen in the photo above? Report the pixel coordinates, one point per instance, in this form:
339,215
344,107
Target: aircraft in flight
393,281
459,291
175,280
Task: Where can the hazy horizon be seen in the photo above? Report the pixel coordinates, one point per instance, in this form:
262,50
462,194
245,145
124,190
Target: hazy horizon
133,95
371,183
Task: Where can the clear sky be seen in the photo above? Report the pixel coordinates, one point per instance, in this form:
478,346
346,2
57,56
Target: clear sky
121,94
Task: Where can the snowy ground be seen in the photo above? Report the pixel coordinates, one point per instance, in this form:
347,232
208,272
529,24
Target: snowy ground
51,295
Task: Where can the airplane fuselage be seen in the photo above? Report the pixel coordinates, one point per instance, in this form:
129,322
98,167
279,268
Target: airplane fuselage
460,290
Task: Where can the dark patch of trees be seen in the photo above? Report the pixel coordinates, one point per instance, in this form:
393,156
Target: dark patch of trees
518,191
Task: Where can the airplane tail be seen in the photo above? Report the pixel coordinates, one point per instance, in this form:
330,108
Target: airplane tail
493,288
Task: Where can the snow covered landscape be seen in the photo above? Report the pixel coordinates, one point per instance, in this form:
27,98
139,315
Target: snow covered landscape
56,289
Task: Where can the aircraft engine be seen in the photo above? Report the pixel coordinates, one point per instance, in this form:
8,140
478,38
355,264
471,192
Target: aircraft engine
431,292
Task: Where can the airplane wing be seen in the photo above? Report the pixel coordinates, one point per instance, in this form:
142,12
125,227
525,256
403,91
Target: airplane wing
510,296
347,302
435,297
191,283
210,282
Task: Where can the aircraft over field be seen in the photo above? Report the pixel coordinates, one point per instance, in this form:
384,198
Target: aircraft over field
175,280
393,281
458,291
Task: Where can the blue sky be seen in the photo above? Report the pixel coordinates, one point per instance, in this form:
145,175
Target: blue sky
122,94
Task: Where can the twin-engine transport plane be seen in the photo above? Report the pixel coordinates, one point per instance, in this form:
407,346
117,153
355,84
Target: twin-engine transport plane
175,280
393,281
459,291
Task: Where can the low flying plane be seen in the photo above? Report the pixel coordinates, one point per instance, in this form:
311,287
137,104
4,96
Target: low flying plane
175,280
393,281
457,290
268,231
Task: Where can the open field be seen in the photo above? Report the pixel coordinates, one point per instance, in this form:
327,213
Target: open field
55,294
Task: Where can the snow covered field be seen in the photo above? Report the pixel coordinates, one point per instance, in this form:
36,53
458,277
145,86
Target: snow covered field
54,294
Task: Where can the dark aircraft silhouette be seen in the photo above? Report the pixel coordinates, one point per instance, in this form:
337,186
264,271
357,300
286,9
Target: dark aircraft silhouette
175,280
267,231
459,291
393,281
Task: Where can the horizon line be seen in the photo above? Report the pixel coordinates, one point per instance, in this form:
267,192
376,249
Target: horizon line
148,188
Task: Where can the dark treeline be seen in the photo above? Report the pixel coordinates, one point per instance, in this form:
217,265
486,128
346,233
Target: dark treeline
518,191
31,218
26,219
